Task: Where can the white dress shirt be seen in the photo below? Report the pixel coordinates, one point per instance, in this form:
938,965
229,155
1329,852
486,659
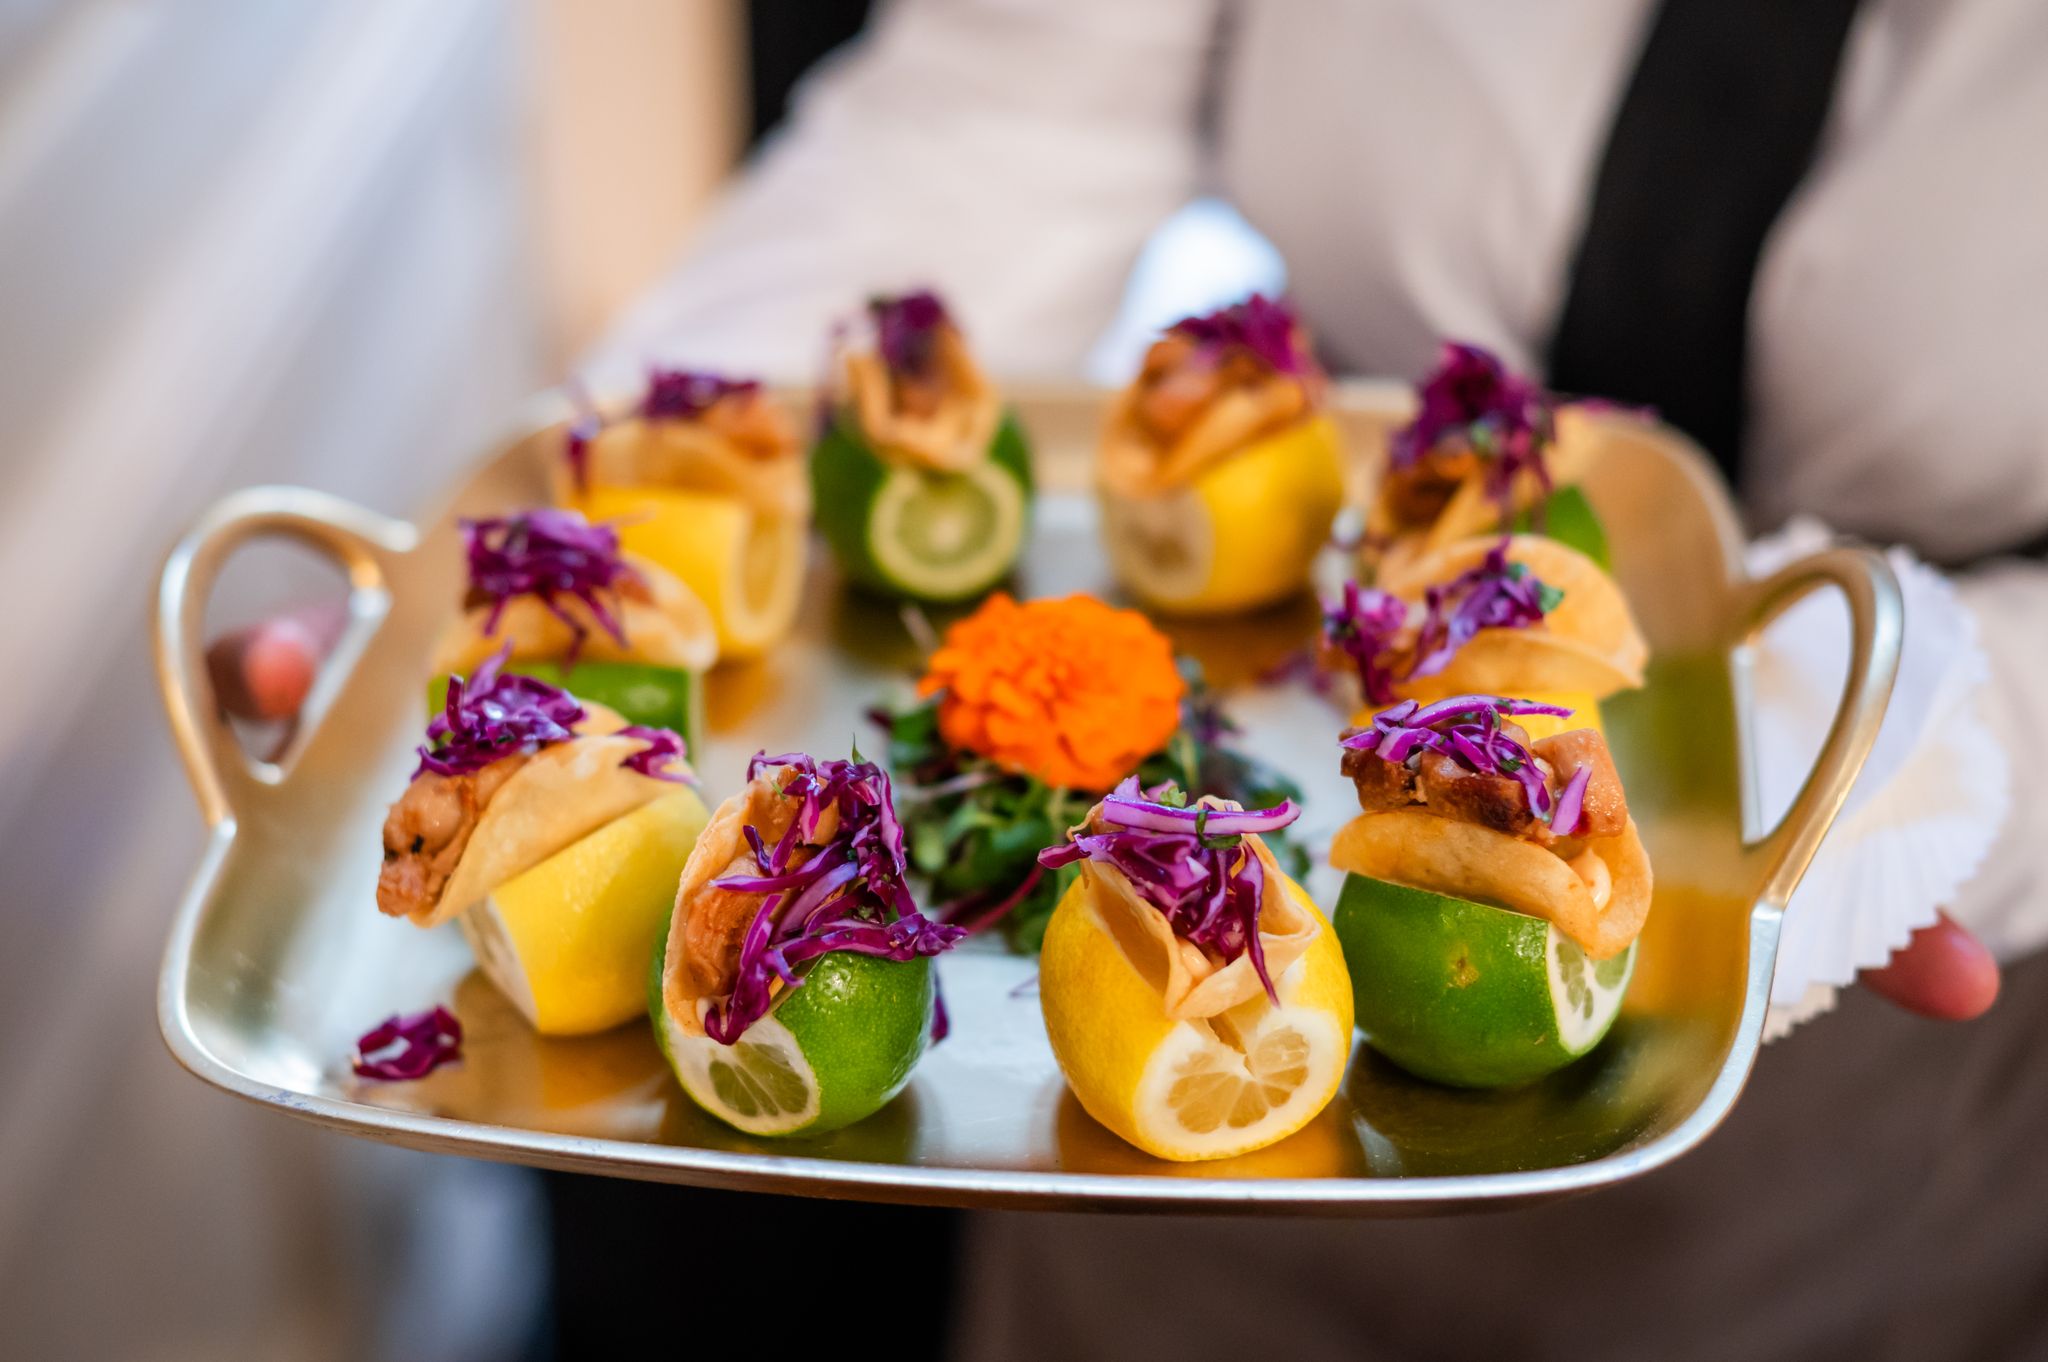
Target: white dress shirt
1424,167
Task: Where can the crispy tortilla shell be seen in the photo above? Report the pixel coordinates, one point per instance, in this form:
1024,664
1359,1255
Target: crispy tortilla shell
672,629
952,439
1445,856
687,454
1190,987
1589,644
562,794
1131,463
762,805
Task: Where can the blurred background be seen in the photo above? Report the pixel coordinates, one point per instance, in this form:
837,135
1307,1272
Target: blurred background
331,242
327,242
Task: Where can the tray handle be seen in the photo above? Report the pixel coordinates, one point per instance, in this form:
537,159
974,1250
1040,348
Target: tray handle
1876,624
355,539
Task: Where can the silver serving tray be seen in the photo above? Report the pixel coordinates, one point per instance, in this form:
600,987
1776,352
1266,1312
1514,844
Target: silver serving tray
277,958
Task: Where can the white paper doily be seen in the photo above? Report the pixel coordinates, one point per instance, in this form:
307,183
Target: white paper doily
1913,831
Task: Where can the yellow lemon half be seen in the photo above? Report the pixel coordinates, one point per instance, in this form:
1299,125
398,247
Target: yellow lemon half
1242,535
746,566
568,941
1188,1090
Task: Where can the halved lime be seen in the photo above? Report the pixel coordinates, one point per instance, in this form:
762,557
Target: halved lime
1470,995
910,532
832,1052
659,697
1570,519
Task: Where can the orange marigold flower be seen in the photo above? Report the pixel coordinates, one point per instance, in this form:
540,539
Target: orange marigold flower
1070,691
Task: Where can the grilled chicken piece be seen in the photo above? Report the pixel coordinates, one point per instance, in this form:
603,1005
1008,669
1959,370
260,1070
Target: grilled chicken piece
919,395
1179,382
718,919
1445,787
1603,810
427,831
753,423
1416,495
717,926
1174,390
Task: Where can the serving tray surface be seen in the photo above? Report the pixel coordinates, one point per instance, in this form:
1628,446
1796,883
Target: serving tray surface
278,960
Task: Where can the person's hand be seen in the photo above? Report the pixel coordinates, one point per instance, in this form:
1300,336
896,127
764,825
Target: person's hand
264,673
1943,972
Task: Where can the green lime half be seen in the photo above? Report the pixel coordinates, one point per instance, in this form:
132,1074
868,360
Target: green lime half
659,697
1571,520
928,536
833,1051
1469,995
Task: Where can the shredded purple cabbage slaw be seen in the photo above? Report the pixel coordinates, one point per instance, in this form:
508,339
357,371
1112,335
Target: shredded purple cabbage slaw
548,553
658,759
1266,327
400,1049
490,715
1192,864
848,894
1365,625
685,394
1467,729
1496,594
907,329
1507,419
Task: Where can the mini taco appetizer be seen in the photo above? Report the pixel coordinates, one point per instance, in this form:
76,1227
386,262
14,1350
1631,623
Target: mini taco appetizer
922,478
1482,454
706,479
1027,713
1195,999
1220,473
575,610
1514,615
1494,889
552,833
794,990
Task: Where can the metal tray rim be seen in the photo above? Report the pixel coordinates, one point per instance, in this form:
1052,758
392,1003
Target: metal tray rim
1003,1187
988,1188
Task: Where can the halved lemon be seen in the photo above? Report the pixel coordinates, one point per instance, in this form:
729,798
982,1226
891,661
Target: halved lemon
748,567
1188,1090
1243,534
567,941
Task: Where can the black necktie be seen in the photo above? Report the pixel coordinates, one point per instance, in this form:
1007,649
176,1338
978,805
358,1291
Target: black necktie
1715,131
